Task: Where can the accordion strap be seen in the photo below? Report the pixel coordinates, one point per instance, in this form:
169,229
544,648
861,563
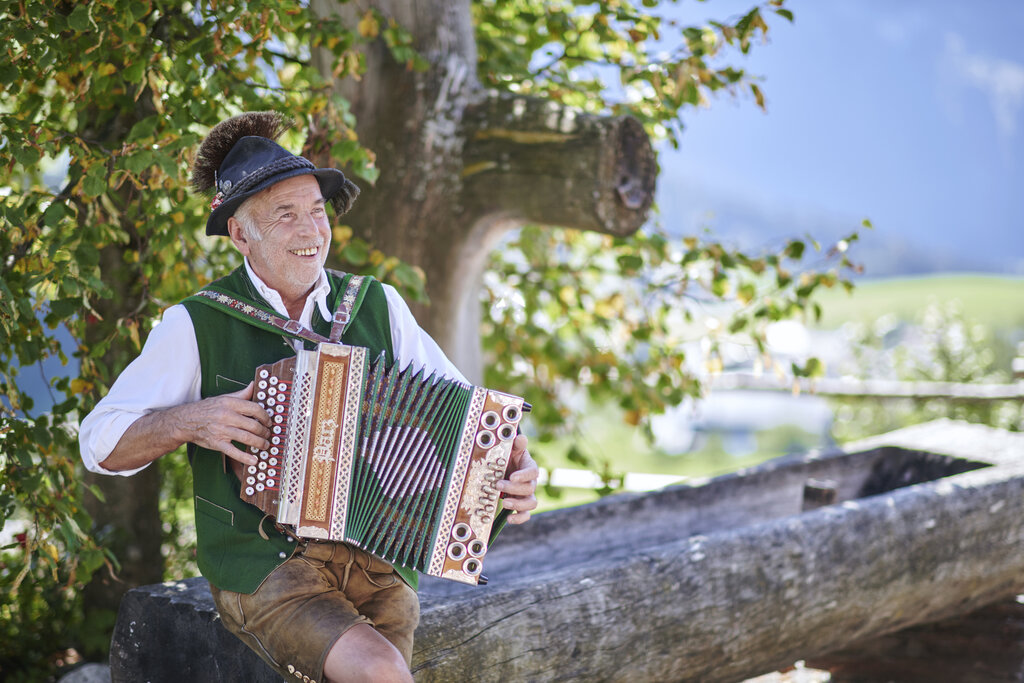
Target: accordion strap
348,304
259,316
353,296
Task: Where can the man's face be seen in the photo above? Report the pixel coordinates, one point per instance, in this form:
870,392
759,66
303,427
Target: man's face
291,219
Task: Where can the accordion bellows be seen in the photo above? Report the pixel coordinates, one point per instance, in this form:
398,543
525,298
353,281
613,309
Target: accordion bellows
396,462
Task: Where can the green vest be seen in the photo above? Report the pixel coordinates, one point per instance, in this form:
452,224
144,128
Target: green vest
236,547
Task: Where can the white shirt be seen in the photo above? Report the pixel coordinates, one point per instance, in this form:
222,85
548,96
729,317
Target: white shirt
167,373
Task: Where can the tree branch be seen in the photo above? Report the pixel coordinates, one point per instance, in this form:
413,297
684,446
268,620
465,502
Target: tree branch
555,165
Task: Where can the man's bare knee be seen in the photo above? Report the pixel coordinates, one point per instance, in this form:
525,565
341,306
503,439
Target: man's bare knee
362,654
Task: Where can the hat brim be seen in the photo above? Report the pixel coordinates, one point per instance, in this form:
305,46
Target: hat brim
331,182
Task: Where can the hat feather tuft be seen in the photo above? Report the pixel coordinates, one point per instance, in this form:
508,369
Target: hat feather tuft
223,136
345,198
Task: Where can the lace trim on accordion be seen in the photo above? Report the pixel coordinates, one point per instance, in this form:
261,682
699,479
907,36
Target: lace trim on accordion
349,427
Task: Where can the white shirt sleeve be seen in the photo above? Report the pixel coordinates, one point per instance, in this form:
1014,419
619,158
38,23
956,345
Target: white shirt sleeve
411,344
166,374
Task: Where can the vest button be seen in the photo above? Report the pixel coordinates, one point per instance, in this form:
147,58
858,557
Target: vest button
282,554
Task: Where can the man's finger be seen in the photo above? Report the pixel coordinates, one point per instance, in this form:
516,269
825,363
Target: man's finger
235,453
245,393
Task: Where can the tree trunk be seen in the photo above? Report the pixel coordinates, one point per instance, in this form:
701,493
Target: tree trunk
460,166
127,521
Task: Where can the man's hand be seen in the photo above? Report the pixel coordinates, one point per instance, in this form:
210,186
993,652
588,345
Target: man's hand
215,422
518,491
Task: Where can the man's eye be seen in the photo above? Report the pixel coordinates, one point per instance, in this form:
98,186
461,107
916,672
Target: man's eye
319,211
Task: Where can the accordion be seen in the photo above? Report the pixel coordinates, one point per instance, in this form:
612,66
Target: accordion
397,462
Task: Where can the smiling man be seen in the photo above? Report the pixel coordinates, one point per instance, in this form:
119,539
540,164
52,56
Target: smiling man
311,610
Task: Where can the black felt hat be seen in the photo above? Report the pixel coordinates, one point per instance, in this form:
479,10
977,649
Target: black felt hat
239,158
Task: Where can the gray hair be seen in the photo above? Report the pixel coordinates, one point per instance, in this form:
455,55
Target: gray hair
244,215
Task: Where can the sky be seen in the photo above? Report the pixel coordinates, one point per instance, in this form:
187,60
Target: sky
909,114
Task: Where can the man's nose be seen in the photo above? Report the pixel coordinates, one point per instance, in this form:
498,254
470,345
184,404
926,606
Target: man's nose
307,223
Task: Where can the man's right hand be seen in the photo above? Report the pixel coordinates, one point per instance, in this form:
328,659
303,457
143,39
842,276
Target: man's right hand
215,422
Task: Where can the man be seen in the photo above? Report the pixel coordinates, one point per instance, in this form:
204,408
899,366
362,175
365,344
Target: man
311,610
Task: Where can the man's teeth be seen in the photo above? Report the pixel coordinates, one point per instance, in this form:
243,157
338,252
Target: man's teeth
310,251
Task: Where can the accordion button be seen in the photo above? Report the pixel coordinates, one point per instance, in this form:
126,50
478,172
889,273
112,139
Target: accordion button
273,462
282,387
250,491
271,401
280,409
261,395
277,429
250,480
272,391
252,469
273,379
274,450
264,373
271,472
270,483
262,384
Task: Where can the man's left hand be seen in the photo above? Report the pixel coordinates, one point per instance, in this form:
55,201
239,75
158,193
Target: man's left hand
519,490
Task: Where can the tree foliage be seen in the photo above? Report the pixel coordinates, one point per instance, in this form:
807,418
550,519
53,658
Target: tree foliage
102,104
119,93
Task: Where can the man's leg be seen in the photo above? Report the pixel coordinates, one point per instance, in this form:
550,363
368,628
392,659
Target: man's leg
363,654
333,612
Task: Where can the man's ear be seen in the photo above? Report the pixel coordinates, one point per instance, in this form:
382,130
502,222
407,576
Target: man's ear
237,234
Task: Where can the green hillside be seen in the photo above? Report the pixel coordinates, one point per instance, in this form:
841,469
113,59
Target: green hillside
997,302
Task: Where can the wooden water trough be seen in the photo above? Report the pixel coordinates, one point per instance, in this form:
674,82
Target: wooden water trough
737,576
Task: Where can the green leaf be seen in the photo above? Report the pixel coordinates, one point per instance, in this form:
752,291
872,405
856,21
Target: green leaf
80,20
54,214
356,252
95,182
96,491
27,156
144,128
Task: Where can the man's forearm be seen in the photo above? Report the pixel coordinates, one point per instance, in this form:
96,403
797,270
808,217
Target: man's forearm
150,437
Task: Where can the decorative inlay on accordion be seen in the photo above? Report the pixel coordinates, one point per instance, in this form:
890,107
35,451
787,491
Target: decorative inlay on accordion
396,462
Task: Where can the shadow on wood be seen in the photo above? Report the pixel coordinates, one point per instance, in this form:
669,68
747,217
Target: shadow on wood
713,582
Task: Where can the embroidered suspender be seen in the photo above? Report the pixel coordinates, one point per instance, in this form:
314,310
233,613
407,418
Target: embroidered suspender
343,314
341,320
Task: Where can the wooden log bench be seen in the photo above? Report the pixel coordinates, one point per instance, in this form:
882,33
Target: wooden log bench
719,581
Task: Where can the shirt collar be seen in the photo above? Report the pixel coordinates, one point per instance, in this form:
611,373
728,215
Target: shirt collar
317,296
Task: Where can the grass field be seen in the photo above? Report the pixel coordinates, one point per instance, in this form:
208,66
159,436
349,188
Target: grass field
990,300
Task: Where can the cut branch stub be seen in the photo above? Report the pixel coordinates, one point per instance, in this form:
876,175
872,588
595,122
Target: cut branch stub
555,165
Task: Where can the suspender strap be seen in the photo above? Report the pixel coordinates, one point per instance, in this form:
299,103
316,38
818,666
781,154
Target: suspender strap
348,305
355,291
257,316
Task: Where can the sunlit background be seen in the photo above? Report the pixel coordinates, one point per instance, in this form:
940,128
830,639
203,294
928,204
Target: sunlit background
908,114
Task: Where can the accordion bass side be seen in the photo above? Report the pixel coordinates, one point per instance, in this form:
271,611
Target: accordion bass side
399,463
